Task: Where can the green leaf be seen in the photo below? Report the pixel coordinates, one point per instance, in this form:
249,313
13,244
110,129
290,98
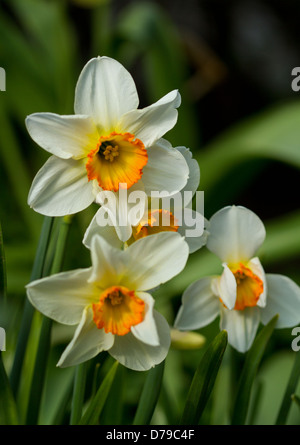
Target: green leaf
8,409
249,371
290,389
204,380
113,413
41,358
78,393
149,396
48,26
296,399
28,311
95,407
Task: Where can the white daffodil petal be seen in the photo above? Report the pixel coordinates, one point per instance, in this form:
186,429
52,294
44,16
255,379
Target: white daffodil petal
199,306
155,259
283,299
61,188
108,264
123,209
166,169
86,343
105,90
139,356
192,228
226,287
63,136
256,267
194,171
62,296
108,232
241,326
151,123
146,330
235,234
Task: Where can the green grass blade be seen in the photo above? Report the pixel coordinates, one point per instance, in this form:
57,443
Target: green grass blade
249,371
204,380
28,312
149,396
296,399
39,373
95,407
290,390
40,366
8,409
78,393
114,412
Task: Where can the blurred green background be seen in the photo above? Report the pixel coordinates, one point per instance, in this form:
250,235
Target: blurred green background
232,63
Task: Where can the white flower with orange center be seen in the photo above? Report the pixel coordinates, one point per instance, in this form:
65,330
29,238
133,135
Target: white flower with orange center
243,295
108,141
110,301
156,218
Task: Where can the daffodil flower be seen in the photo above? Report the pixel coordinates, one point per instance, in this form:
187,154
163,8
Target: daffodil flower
110,301
108,141
243,295
155,219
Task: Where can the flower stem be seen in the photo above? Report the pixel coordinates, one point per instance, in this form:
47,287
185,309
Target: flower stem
290,390
37,272
78,393
40,366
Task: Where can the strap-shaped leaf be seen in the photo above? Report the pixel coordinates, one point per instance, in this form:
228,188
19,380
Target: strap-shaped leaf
249,371
149,396
95,407
289,392
204,380
296,399
8,410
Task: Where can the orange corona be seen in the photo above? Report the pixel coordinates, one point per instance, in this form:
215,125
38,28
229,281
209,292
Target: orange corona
157,221
249,287
118,310
118,158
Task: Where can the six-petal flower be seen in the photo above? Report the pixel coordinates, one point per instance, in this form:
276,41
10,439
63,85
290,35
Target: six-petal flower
111,303
243,295
107,142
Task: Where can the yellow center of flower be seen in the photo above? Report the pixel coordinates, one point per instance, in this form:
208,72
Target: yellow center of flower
118,158
156,221
118,309
249,287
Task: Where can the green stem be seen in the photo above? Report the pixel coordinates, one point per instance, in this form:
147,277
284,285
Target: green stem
78,393
28,311
40,366
290,390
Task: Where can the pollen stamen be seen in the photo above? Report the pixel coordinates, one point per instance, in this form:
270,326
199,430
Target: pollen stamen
117,158
110,152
